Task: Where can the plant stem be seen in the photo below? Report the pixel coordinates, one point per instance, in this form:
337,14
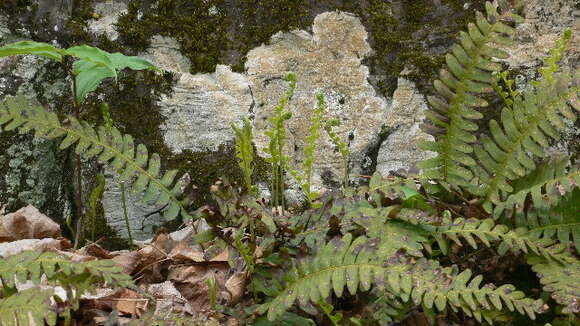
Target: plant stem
124,201
78,169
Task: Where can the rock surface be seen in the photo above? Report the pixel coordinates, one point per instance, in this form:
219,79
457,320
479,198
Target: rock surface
27,223
399,151
327,61
199,113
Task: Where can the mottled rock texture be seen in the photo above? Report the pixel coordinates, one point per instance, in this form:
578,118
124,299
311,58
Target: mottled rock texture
399,151
184,114
327,61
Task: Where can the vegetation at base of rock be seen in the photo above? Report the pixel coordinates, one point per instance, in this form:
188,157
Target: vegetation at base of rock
380,254
275,149
245,152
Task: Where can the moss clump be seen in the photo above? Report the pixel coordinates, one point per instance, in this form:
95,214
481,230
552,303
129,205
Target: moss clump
197,25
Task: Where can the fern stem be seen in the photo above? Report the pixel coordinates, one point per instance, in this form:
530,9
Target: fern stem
124,202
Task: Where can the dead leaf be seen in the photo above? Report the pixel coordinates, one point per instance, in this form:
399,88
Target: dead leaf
93,249
184,252
191,281
222,257
129,261
236,286
125,301
27,223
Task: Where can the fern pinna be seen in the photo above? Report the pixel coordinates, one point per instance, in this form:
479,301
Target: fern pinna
76,278
108,145
363,262
470,73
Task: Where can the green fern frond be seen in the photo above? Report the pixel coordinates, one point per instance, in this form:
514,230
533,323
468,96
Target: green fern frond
245,151
545,185
108,145
469,73
562,282
521,136
486,231
31,265
357,265
28,307
561,222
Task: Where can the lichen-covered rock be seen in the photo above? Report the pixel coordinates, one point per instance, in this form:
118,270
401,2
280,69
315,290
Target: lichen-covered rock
142,218
199,113
164,53
327,61
399,151
107,14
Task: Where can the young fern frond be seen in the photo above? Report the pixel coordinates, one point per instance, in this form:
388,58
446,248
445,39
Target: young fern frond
357,265
245,151
563,283
342,148
28,307
109,146
277,142
470,73
305,178
519,240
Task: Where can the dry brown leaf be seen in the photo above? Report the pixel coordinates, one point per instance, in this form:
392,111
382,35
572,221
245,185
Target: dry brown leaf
184,252
93,249
236,286
191,281
222,257
27,223
125,301
129,261
168,298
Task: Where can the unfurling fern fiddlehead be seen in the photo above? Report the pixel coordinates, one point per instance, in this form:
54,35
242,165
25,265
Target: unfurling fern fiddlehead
470,72
108,145
360,264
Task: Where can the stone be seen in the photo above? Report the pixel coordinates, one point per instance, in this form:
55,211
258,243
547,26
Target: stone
142,218
327,61
202,108
108,13
27,223
399,151
164,53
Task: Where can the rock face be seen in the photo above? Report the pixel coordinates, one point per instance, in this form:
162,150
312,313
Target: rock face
399,151
327,61
202,108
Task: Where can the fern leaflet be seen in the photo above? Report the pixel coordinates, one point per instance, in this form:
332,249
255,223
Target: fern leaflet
109,146
28,307
470,72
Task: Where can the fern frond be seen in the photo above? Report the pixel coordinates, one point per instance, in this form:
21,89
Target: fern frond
28,307
357,264
31,265
545,185
562,282
245,151
469,73
561,222
108,145
521,136
518,240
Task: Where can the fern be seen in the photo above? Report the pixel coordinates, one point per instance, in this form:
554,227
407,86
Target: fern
28,307
486,231
470,72
341,146
358,264
305,178
521,136
245,152
75,278
108,145
562,282
277,142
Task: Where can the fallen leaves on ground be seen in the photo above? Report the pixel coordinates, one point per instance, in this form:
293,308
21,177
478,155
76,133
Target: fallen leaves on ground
173,277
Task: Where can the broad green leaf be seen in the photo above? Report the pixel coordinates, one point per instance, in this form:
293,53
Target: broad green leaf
31,47
121,61
88,80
